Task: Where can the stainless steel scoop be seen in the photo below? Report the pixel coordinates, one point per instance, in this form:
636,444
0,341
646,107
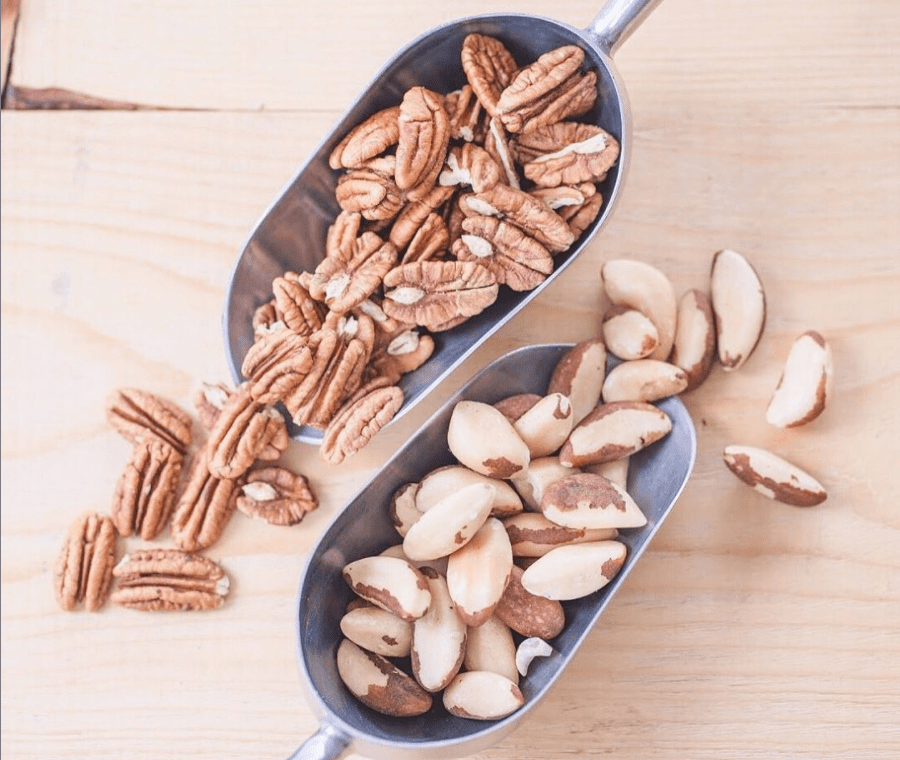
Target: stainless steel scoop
657,475
291,233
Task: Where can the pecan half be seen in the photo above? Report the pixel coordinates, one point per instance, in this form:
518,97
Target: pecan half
414,213
245,429
167,580
353,427
406,352
138,414
350,274
496,143
530,214
430,240
209,401
374,194
83,570
583,216
424,136
266,319
468,119
489,68
548,90
566,153
367,140
276,364
295,306
276,495
436,293
205,506
516,259
469,164
145,493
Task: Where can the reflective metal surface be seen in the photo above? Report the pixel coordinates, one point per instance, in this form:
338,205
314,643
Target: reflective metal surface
291,234
656,478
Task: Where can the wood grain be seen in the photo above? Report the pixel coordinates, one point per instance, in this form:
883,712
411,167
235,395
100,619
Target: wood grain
749,630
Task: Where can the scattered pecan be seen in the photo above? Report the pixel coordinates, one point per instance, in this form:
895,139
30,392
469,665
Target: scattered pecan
351,273
295,306
424,136
489,68
436,293
374,136
276,495
528,213
548,90
566,153
145,493
516,259
83,570
471,165
138,414
169,579
374,194
356,423
244,430
208,401
205,506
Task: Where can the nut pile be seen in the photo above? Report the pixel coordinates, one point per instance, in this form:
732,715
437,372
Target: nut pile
445,198
493,545
232,469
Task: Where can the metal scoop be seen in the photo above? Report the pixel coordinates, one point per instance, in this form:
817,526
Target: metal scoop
657,475
290,236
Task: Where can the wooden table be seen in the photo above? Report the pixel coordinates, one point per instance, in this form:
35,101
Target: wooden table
750,629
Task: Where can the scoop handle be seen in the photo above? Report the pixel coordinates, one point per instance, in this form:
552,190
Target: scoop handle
617,20
326,744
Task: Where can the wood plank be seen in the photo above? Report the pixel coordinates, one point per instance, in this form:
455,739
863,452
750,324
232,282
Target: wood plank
750,629
287,55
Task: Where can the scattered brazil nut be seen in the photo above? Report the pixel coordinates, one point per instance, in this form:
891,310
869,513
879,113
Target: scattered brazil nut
805,383
614,430
380,684
482,695
643,380
739,305
694,348
641,286
571,572
628,333
773,476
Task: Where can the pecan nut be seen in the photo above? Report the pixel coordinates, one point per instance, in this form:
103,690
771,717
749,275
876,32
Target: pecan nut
489,68
266,319
372,193
137,414
276,495
353,427
167,580
367,140
471,165
434,294
468,119
84,567
244,430
531,215
547,91
516,259
276,364
424,136
414,213
145,493
351,273
430,240
566,153
496,143
209,401
406,352
205,506
295,306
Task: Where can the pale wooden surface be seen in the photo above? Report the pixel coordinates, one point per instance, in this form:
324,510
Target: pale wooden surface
749,630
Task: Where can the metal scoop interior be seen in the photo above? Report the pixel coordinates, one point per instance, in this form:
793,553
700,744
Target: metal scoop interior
657,476
291,234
